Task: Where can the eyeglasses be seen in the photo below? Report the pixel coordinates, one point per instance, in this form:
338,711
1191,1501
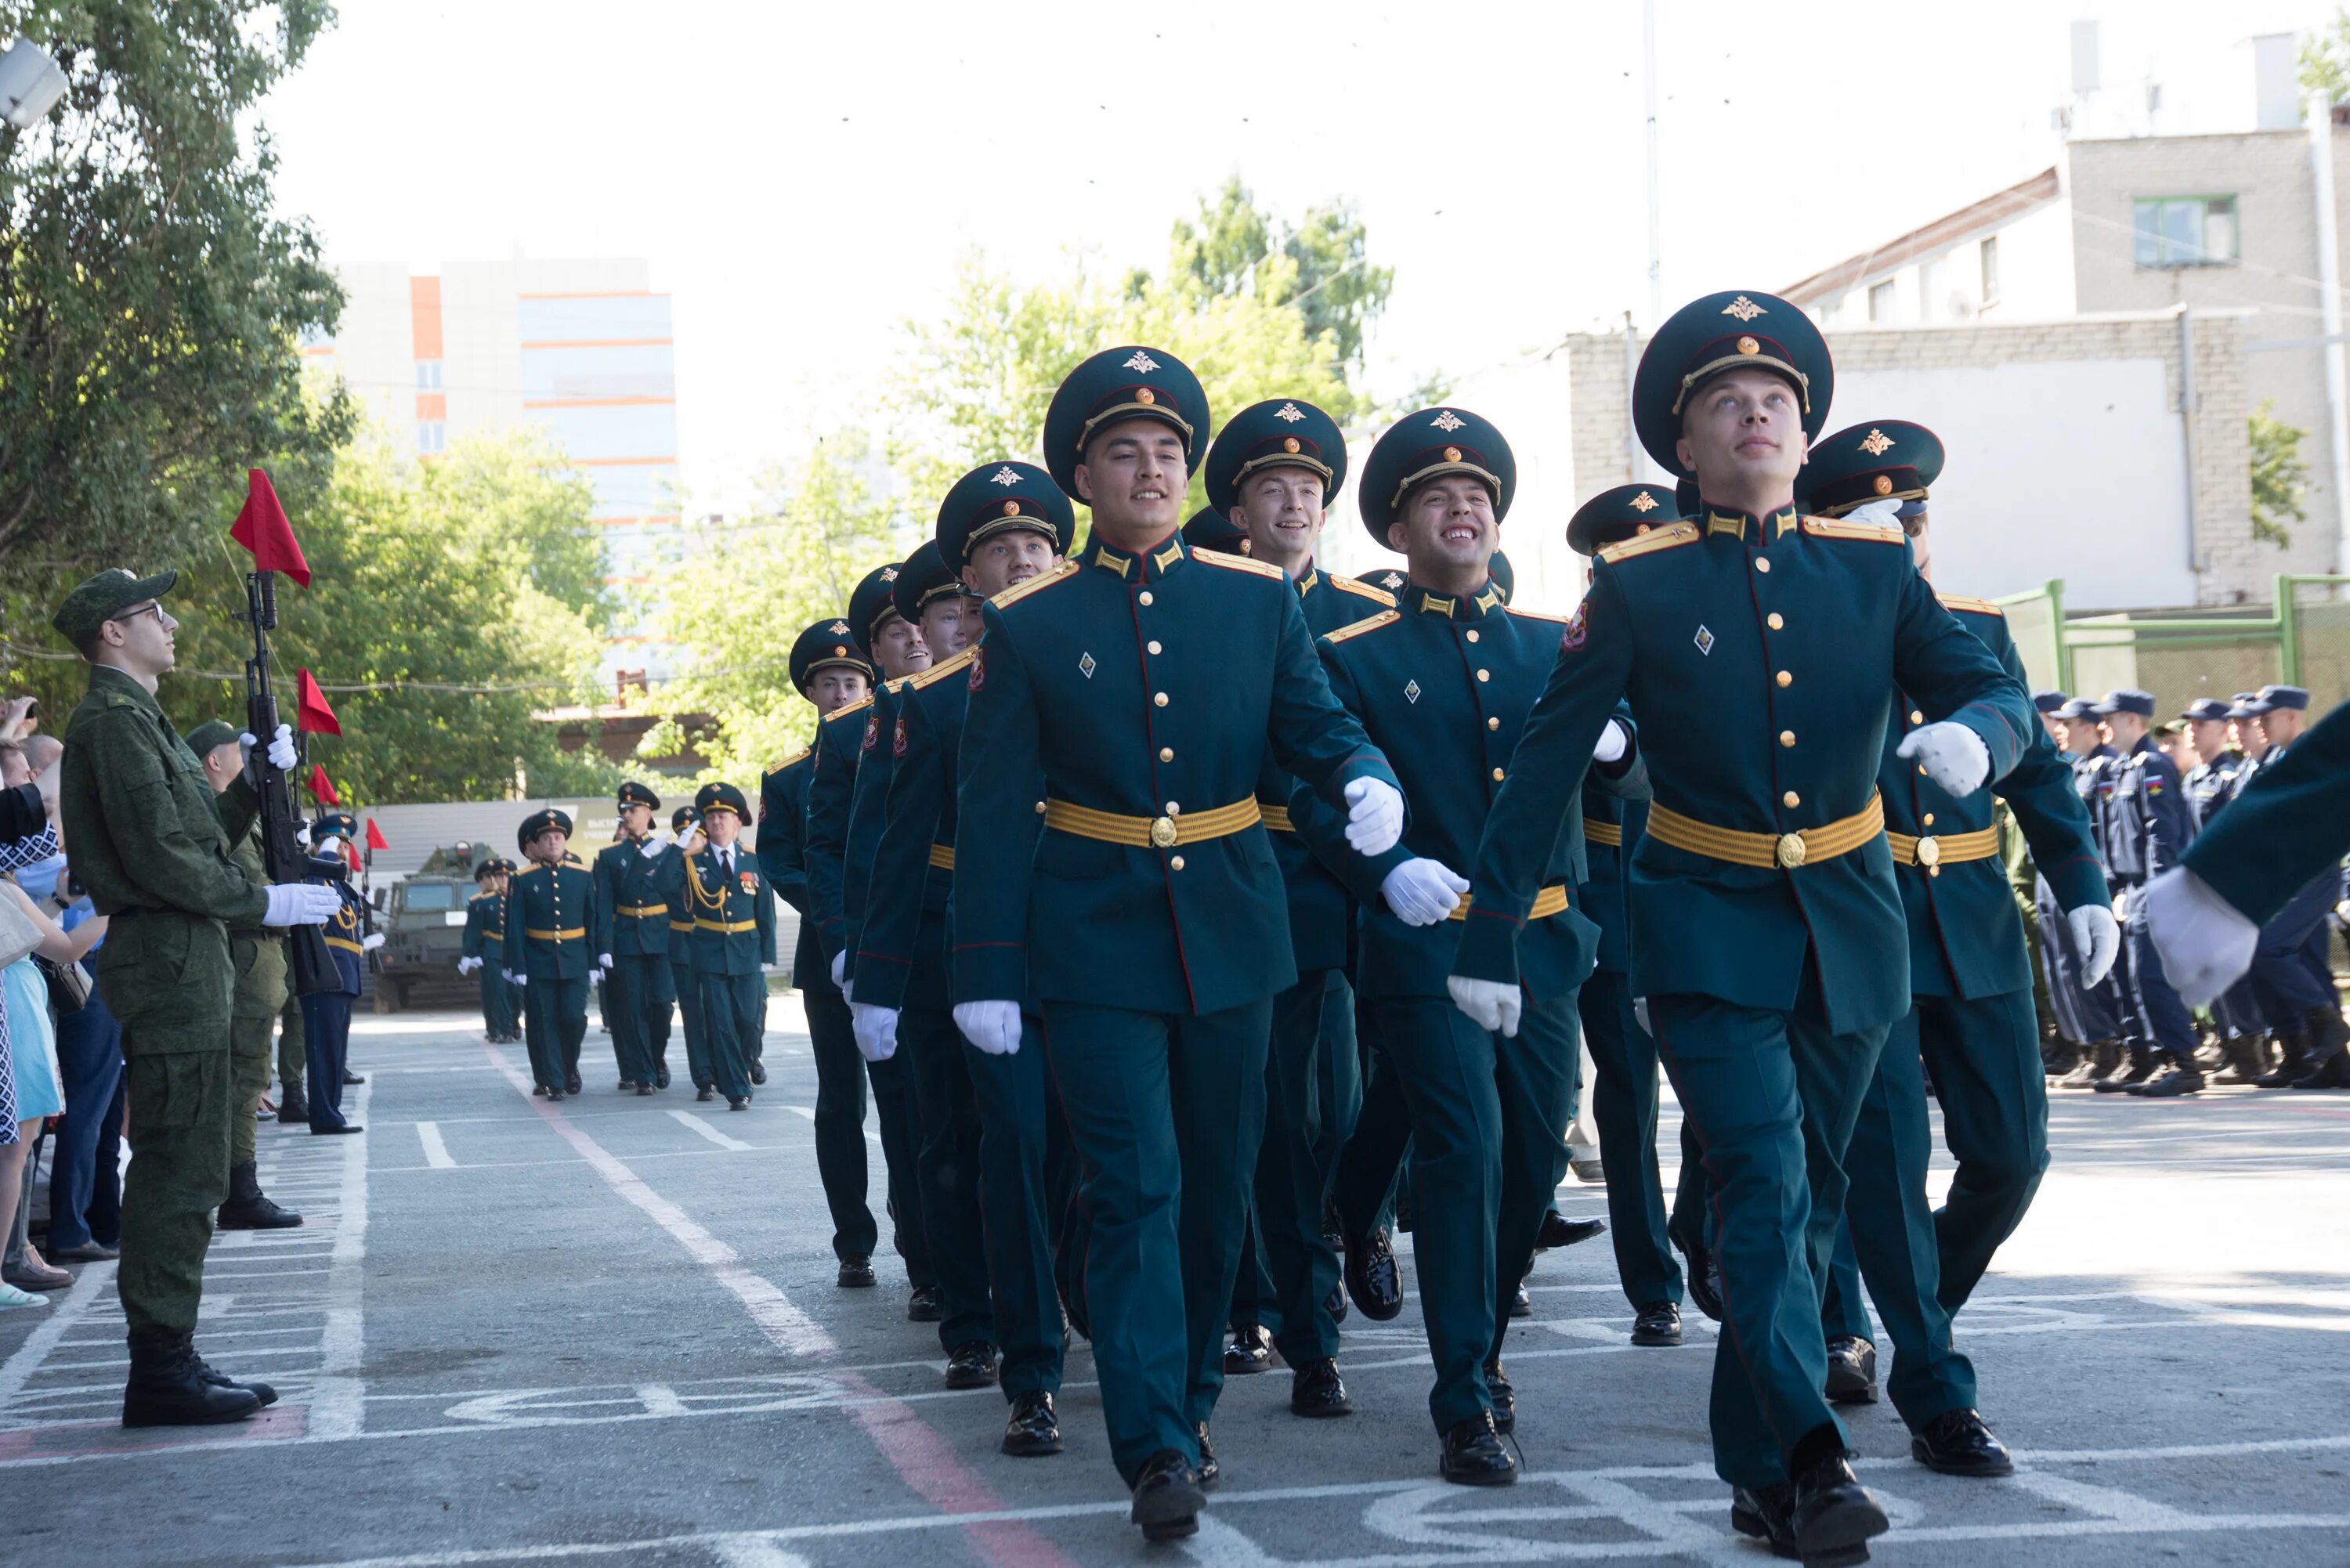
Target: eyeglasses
154,607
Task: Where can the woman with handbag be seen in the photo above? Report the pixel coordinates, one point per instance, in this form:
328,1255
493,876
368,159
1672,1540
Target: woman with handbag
32,1091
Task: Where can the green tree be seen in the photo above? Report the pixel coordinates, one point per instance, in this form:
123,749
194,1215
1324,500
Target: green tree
2280,476
1231,246
2325,58
149,301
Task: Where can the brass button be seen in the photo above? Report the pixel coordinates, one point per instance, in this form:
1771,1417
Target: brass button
1040,809
1922,770
1494,723
1158,699
1485,675
1472,636
1790,800
1166,753
1929,819
1497,775
1786,679
1152,646
1762,564
1786,737
1774,620
1144,596
1173,809
1175,863
1916,716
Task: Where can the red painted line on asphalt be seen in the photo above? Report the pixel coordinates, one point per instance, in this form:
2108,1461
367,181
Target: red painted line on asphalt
278,1424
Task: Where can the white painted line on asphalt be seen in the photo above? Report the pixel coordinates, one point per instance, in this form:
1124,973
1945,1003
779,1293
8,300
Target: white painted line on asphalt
436,1152
35,1351
338,1398
711,1132
755,1552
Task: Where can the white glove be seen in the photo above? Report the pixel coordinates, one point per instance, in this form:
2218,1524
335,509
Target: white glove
1422,891
515,979
840,966
991,1026
1612,741
1374,815
301,904
1640,1016
655,842
770,969
281,748
1490,1004
848,992
468,965
1952,755
2096,937
877,1031
2204,941
1889,510
370,941
302,834
604,962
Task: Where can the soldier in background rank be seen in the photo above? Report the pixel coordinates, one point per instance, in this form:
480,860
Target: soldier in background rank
734,940
327,1015
843,738
830,670
1142,684
1442,683
2209,782
2291,972
1768,936
685,838
636,939
2100,1007
995,1160
2148,827
1269,477
551,914
484,951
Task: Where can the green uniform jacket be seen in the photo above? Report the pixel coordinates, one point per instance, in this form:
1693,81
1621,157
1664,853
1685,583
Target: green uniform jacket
485,931
840,743
2290,823
902,955
782,855
733,917
1443,686
559,903
867,810
1144,687
1966,933
630,899
1758,665
260,960
1320,912
145,832
1605,876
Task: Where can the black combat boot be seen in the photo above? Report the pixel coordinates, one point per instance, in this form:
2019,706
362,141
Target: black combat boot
294,1105
2139,1062
2328,1066
2248,1058
2096,1060
168,1388
2292,1056
247,1209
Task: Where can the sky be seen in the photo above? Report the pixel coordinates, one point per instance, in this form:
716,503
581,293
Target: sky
805,179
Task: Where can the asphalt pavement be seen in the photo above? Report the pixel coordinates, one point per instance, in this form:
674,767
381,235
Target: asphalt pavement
607,1332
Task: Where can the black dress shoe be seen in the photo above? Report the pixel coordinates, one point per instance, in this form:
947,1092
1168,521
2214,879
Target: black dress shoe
1852,1370
1832,1515
1473,1455
1373,1280
1316,1390
337,1132
660,1077
571,1084
1210,1472
856,1272
644,1089
739,1103
1250,1352
553,1094
971,1365
1659,1323
1167,1497
703,1095
1334,1231
1704,1275
1505,1395
626,1084
758,1072
1521,1305
1763,1514
1960,1443
1335,1304
925,1305
351,1077
1031,1431
1558,1230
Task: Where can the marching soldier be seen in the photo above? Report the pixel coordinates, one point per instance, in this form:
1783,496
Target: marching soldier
483,950
2291,972
996,1117
1768,937
1142,684
830,670
551,913
720,890
2148,825
327,1015
636,936
685,838
843,738
2210,784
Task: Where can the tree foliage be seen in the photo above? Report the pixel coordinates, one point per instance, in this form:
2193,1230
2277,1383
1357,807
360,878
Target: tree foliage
150,302
1233,247
2280,476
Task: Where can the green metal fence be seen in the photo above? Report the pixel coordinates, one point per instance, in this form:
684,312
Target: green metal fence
2302,639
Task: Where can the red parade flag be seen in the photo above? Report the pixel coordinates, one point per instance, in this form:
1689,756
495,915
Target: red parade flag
321,790
351,854
263,529
376,839
311,714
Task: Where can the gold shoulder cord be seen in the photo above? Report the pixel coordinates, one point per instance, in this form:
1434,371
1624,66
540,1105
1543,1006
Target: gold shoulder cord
702,896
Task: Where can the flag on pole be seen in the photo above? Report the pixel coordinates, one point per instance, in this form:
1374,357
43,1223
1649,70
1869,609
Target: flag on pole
262,528
321,790
311,714
375,838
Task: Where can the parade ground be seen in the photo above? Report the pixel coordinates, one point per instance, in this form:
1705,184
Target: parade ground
607,1332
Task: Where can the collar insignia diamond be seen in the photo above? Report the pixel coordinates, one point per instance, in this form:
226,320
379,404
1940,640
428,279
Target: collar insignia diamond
1704,641
1448,421
1140,361
1085,665
1744,309
1287,413
1644,502
1411,691
1877,443
1007,474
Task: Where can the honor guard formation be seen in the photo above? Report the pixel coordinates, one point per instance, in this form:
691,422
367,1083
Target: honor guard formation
1196,918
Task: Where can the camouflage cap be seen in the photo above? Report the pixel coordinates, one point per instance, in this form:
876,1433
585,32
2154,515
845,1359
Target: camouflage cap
103,597
210,733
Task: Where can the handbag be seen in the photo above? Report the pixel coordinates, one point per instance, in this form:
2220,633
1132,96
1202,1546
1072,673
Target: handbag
69,984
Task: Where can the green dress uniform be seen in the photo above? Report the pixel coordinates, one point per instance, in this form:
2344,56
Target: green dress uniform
485,938
725,895
1767,930
840,1073
153,844
681,958
259,955
551,914
1148,921
293,1062
636,936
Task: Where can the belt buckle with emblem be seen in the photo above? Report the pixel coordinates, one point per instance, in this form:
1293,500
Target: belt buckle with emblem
1163,832
1790,850
1929,852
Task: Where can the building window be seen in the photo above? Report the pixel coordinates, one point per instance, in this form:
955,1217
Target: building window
1880,301
431,437
2186,231
1987,256
428,375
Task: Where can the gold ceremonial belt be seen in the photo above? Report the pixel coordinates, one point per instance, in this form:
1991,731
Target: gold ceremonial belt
1950,849
1603,833
1551,900
1277,818
681,925
575,934
942,856
732,928
1781,850
346,947
1153,832
641,911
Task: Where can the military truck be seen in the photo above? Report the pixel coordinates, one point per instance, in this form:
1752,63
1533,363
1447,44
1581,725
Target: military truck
422,919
